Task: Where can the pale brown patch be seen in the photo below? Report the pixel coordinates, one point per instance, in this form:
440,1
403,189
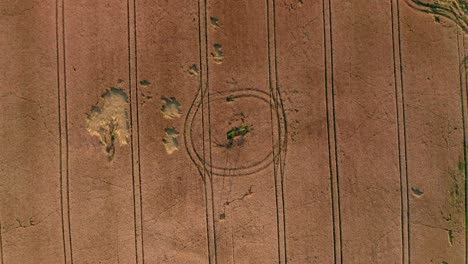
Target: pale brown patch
170,140
218,53
108,120
171,108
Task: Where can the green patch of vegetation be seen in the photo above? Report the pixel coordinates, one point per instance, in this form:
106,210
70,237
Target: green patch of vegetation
219,49
193,70
222,216
214,21
455,10
418,192
145,82
461,167
171,131
218,53
238,131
